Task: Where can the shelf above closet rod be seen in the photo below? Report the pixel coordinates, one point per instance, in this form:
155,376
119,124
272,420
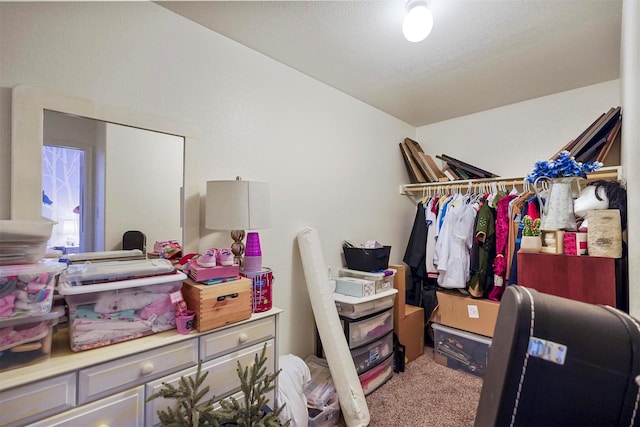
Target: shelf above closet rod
606,173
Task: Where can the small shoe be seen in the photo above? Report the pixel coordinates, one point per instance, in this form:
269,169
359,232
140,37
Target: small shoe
208,258
225,256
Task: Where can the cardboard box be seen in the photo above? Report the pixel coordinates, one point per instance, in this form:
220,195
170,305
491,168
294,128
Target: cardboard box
466,313
399,283
410,332
575,243
218,305
408,319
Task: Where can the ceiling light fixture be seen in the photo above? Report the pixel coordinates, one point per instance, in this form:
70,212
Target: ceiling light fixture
419,21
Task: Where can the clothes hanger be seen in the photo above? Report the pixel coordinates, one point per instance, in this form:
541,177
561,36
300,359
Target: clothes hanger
514,190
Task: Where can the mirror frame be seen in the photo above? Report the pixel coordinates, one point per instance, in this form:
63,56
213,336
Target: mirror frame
27,131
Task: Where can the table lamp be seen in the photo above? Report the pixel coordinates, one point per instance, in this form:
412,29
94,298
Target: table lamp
237,206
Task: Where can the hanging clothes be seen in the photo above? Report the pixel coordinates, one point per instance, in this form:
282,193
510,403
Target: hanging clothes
431,213
530,208
502,234
483,247
454,245
415,255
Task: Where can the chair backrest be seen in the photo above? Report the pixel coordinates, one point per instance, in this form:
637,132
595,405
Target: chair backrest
134,239
555,361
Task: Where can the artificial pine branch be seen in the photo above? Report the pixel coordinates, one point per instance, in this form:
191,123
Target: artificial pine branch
189,412
255,384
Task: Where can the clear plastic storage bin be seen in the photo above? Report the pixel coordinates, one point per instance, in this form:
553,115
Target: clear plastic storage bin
320,388
369,328
22,241
459,349
356,307
108,313
27,340
327,416
27,289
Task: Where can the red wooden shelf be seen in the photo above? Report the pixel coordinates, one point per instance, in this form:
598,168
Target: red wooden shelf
583,278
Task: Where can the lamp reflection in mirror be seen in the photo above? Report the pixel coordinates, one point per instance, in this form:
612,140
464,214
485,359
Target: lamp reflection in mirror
419,21
237,206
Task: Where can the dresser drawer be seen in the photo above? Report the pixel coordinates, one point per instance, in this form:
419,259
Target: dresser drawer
221,378
101,380
221,342
124,409
34,401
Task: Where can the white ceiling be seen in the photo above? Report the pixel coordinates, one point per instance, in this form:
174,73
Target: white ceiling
481,54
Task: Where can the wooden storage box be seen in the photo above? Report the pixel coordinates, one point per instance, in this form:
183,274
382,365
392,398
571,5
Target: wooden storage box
218,305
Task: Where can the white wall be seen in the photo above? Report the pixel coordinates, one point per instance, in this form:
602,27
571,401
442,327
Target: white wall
630,77
332,161
509,140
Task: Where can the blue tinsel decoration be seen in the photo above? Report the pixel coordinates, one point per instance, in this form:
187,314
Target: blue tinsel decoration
564,165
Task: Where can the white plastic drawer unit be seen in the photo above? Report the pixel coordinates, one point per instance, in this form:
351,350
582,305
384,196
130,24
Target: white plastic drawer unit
124,409
222,377
369,328
370,355
219,343
357,307
34,401
104,379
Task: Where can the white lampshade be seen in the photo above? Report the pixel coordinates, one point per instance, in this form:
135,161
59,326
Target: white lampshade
418,23
237,205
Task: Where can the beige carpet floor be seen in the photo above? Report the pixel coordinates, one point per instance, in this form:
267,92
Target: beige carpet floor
426,394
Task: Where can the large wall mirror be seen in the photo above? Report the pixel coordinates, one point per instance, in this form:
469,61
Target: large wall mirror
134,171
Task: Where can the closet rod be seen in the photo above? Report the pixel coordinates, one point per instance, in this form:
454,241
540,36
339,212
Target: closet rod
608,173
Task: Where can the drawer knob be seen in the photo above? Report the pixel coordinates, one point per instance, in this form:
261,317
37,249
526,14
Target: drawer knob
147,368
243,338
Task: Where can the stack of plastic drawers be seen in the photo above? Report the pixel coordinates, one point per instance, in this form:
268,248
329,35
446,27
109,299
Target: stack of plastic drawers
368,326
26,293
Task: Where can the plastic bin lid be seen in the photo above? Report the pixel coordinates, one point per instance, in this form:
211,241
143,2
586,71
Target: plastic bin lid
36,268
56,313
380,274
25,230
359,300
65,288
461,333
116,270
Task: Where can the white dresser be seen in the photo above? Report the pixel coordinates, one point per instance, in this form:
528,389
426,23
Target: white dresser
109,386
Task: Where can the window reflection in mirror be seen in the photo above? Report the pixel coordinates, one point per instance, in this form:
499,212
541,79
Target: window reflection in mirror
102,179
